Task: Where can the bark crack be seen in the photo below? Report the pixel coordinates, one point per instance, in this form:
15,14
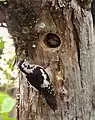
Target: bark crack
76,38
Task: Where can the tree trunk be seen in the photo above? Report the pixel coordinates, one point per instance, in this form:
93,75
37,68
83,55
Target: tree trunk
56,34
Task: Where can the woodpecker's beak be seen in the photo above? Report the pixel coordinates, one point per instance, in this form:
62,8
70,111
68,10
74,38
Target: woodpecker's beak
20,63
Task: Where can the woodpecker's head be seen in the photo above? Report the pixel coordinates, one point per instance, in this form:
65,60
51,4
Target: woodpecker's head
25,67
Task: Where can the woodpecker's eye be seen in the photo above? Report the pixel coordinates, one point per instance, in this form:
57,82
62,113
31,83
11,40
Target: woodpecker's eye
52,40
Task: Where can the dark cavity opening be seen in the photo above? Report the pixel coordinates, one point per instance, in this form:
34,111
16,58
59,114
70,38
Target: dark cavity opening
52,40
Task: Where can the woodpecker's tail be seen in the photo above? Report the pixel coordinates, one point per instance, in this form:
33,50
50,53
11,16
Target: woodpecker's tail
51,101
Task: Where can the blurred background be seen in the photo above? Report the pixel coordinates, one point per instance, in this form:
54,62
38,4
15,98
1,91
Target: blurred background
8,76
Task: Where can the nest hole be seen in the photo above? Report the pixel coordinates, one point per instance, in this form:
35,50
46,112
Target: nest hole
52,40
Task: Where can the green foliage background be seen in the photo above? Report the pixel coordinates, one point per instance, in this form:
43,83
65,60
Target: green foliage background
6,105
7,57
8,74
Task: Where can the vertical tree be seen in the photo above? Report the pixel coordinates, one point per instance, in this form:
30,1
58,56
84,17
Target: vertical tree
56,34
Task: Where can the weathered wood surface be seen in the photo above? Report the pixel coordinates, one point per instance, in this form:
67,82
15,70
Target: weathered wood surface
28,22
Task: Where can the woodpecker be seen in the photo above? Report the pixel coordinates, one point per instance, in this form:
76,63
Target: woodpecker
39,78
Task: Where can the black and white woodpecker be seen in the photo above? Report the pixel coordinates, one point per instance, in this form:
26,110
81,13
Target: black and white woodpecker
39,78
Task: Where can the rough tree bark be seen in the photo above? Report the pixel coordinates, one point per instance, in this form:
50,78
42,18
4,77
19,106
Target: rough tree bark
67,54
